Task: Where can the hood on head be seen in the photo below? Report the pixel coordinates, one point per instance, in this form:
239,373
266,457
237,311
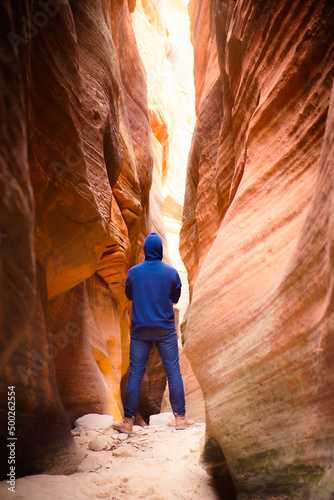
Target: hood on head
153,247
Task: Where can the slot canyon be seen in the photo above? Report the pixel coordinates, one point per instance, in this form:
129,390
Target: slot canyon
210,122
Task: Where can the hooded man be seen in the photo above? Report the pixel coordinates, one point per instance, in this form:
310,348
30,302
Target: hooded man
153,287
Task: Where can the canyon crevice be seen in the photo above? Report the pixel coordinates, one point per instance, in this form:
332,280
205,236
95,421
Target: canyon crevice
78,164
92,147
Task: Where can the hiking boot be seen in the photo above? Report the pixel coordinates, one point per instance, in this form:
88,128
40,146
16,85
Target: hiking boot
124,425
181,422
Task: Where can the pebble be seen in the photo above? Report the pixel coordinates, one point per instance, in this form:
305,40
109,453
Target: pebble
138,428
98,444
143,440
122,436
111,432
124,451
92,434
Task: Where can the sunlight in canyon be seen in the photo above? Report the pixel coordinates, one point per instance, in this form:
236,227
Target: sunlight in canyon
163,38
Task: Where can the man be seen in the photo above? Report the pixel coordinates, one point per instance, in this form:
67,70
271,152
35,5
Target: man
153,287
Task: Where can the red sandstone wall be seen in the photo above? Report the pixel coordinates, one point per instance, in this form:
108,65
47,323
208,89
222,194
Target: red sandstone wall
18,276
76,172
257,240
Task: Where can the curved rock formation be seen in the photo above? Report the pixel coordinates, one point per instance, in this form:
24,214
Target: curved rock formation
259,329
43,439
75,108
18,268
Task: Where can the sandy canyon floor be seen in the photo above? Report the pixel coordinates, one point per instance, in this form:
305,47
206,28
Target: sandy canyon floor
154,463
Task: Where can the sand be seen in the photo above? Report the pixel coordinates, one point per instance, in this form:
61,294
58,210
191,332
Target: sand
164,464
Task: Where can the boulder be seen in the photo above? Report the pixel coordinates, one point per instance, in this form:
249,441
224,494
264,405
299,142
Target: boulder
162,419
98,444
94,421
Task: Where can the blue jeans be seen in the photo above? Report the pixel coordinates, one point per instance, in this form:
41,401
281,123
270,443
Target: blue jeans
169,353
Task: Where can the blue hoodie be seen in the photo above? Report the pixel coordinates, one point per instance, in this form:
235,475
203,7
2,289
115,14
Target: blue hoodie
153,287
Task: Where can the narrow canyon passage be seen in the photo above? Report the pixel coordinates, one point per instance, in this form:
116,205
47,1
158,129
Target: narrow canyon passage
212,123
154,463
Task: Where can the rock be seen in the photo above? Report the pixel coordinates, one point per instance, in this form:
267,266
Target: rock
95,421
161,419
124,451
66,228
257,240
45,438
98,444
92,434
138,429
18,261
67,309
111,432
72,187
122,436
201,203
144,433
324,485
78,431
81,186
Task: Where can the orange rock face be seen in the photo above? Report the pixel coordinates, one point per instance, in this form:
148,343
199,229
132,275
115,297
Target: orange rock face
259,329
77,139
17,268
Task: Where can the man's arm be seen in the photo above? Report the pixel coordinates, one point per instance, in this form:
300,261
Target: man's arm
176,290
128,287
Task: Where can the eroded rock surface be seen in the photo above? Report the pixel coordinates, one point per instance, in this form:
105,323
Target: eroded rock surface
18,268
259,329
77,138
